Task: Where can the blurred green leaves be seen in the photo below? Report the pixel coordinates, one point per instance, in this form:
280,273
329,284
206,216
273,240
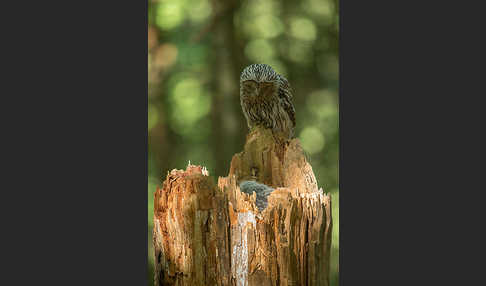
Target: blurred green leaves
189,103
312,140
259,50
264,26
321,8
303,29
254,8
193,55
322,103
199,10
299,52
153,116
297,38
172,13
153,182
328,67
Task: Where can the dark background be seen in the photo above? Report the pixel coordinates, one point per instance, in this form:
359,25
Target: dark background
74,143
197,50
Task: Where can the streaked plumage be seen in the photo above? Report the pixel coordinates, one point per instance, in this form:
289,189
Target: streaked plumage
262,191
266,99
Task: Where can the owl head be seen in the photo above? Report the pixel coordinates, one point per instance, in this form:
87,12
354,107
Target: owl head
260,79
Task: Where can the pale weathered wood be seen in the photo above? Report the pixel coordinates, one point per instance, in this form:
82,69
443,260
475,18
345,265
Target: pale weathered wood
190,231
214,235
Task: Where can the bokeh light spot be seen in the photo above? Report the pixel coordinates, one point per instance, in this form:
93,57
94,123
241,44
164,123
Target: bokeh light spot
199,10
264,26
312,140
322,103
170,14
165,55
259,50
319,7
303,29
189,103
255,8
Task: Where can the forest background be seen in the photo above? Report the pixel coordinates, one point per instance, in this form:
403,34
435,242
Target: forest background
197,50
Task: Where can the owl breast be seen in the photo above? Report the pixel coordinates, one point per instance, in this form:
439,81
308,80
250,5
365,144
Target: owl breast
263,106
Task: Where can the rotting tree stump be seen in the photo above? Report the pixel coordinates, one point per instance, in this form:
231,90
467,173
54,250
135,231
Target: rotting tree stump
208,234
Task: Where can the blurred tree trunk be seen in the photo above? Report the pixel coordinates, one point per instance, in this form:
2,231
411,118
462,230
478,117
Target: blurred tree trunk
214,235
227,119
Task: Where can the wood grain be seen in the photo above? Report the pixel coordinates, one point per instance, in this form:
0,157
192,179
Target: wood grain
208,234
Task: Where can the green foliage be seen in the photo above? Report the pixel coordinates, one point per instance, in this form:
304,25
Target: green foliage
194,107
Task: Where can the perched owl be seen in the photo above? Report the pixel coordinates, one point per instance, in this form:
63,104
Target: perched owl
266,100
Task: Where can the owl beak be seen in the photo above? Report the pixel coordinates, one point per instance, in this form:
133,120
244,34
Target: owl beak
258,87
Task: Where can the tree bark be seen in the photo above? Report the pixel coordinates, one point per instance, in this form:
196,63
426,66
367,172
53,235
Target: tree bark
208,234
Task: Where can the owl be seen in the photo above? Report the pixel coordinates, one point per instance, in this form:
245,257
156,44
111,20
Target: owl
266,100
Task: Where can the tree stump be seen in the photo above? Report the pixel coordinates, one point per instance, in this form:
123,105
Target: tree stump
208,234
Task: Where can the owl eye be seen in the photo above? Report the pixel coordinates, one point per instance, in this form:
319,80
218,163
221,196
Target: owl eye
266,86
250,83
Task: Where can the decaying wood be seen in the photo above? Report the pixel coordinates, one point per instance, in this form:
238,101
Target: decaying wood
207,234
